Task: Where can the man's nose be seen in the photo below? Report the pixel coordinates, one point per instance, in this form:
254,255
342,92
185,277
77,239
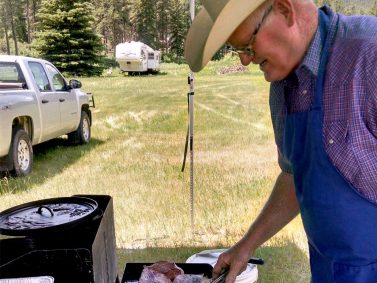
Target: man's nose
245,59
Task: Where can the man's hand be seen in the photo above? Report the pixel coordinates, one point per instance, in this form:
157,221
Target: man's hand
235,260
280,209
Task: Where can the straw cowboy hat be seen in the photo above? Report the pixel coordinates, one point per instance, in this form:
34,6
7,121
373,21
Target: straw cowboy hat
214,24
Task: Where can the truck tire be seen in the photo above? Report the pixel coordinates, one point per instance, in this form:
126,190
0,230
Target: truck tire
21,153
83,133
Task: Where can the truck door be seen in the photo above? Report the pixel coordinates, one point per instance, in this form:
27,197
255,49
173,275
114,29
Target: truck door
69,116
48,102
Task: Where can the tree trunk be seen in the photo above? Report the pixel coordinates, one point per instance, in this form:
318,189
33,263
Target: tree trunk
13,27
34,9
7,40
28,21
5,27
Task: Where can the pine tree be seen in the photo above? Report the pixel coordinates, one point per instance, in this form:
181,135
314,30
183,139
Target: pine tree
8,22
4,28
163,19
31,9
67,39
178,27
112,21
146,22
20,20
121,21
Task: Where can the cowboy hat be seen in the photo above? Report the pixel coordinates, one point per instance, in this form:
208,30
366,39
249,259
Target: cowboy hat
214,24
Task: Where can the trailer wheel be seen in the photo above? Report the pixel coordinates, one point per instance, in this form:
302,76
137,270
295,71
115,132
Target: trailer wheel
83,133
21,153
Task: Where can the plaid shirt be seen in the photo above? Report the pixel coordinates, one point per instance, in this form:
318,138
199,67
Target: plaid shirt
349,100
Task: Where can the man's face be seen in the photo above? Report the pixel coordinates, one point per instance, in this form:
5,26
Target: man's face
273,44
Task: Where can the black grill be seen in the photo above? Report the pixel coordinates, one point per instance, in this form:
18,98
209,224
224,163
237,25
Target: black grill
83,254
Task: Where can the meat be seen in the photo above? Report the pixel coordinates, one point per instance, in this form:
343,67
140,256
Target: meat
168,272
169,269
151,276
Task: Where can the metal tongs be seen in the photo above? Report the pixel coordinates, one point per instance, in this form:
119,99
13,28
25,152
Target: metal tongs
222,276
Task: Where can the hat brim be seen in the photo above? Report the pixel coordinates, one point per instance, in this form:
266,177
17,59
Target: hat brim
205,37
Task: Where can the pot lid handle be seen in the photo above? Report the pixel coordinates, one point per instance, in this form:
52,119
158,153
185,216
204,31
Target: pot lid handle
39,211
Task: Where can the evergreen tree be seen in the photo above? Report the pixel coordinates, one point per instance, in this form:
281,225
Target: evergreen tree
103,14
178,27
146,22
67,39
112,21
4,28
163,19
121,21
9,9
20,20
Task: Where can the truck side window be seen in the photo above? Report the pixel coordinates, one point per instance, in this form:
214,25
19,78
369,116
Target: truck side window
40,76
58,81
9,72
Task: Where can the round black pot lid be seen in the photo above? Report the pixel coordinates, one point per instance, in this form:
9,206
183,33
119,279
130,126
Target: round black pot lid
55,214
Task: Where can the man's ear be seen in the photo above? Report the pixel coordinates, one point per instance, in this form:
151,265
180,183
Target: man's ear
286,9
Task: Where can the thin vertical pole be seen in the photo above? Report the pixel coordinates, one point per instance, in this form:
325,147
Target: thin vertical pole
191,135
191,130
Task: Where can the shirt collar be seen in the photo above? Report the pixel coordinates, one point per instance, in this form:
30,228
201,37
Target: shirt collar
312,58
310,63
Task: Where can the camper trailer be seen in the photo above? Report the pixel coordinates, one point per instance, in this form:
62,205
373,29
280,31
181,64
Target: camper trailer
136,57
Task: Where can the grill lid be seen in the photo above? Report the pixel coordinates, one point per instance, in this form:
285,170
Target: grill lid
49,215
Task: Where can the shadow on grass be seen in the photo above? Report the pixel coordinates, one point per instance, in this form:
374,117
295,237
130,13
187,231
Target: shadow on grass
286,263
50,159
144,74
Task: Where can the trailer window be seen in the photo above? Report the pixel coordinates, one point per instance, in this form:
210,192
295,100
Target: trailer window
40,76
150,56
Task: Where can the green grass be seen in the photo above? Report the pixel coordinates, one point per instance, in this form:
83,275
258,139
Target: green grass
136,154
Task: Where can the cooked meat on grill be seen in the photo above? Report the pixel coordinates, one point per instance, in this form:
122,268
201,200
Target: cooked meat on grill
168,272
152,276
169,269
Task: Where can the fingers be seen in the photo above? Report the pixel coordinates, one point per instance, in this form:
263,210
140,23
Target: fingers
221,265
235,269
232,261
226,262
232,275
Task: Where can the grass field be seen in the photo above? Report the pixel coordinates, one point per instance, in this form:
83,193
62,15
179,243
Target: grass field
136,154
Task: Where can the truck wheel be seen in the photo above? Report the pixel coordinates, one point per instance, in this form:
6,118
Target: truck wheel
21,153
83,132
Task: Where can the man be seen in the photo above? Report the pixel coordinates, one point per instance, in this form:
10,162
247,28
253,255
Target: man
323,98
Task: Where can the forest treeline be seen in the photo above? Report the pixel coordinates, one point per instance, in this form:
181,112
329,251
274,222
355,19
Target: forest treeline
34,27
162,24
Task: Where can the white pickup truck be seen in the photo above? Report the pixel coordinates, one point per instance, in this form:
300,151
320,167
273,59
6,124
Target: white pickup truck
37,104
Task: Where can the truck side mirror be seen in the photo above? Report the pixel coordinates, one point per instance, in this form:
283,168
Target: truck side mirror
74,84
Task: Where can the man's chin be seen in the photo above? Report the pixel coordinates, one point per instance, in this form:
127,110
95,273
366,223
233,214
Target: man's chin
271,77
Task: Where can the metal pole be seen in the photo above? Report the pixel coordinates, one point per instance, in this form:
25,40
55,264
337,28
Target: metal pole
191,135
191,130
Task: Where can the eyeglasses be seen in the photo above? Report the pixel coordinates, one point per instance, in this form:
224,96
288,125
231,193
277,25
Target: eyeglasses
248,50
